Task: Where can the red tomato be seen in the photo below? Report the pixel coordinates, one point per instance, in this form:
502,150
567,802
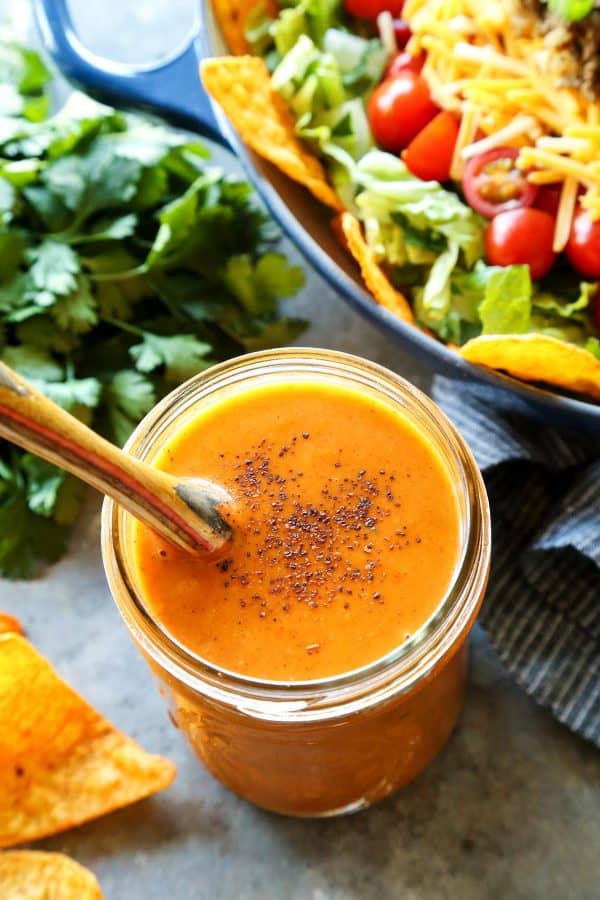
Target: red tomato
399,109
405,62
583,246
370,9
492,183
548,198
429,155
402,33
521,236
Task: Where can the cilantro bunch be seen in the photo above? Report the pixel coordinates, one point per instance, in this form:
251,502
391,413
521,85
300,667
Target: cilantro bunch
128,263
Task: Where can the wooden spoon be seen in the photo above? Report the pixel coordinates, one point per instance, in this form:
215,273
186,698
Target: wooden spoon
185,511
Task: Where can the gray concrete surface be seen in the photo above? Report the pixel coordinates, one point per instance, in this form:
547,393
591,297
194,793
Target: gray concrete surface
509,810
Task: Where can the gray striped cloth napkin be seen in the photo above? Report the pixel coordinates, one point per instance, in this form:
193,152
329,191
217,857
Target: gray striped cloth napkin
542,609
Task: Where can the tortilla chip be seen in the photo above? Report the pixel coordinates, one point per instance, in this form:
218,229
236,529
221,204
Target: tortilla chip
349,230
232,16
61,762
31,875
241,85
536,357
8,623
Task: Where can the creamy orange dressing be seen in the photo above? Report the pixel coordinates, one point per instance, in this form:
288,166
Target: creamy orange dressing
346,533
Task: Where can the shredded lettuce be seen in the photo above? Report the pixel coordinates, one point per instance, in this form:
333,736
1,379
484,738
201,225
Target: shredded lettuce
568,320
592,345
390,191
433,302
325,89
305,17
258,34
412,222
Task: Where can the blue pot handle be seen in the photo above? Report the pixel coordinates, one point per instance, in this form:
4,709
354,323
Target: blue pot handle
171,89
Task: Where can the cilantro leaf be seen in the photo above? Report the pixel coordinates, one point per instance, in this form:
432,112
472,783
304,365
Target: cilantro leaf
42,331
111,181
22,68
12,245
111,230
50,209
51,492
66,178
182,355
21,172
33,363
25,537
92,183
127,398
77,311
152,187
276,334
77,395
54,267
257,286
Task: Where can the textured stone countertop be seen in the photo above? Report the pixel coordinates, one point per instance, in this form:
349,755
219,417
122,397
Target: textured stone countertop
510,809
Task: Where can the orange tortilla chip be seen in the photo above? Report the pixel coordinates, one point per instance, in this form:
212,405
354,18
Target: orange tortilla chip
61,762
537,357
232,16
31,875
349,229
8,623
241,85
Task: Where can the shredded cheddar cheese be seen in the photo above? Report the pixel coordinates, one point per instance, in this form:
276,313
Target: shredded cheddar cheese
564,217
503,87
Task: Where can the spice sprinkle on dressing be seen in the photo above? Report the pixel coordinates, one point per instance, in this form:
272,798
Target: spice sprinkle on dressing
346,531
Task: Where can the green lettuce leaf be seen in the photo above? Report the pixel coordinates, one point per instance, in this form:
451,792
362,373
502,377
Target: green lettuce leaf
571,10
506,305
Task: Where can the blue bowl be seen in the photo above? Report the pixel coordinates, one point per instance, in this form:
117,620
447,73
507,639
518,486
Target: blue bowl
172,90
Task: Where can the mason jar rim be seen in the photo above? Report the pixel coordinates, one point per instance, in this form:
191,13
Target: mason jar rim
402,668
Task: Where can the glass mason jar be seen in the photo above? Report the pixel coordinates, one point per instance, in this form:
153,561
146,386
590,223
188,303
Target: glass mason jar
327,746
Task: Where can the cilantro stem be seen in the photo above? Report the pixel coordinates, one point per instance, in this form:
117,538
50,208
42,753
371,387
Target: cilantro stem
124,326
119,276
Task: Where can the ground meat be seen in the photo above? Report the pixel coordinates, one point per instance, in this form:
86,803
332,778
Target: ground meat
574,46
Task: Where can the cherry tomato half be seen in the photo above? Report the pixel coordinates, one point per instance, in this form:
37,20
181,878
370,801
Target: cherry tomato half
399,109
492,183
583,246
370,9
402,33
521,236
429,155
405,62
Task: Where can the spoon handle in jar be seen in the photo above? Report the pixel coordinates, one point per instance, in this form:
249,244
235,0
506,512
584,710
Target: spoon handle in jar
185,511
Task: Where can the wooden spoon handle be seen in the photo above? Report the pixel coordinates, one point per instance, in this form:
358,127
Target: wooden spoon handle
185,511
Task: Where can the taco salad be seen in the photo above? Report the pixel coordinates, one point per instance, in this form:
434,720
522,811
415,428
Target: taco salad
458,143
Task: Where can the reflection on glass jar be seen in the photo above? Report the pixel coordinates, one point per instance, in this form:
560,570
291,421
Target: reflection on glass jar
340,743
